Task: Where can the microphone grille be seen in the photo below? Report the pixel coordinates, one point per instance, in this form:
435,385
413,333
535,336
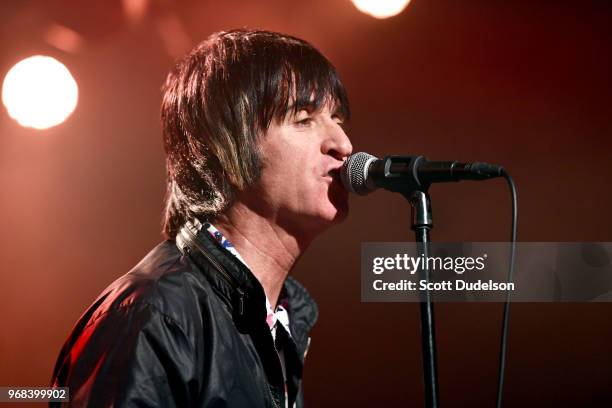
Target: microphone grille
355,171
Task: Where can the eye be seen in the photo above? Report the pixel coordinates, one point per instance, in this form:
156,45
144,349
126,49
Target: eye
304,122
339,119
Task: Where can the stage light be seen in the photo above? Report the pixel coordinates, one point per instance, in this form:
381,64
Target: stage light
39,92
381,8
63,38
135,10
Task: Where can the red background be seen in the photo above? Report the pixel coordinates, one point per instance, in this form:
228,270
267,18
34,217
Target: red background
524,84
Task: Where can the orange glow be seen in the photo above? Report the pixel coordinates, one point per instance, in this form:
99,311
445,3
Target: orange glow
39,92
381,8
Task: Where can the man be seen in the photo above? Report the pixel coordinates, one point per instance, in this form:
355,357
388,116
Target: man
252,125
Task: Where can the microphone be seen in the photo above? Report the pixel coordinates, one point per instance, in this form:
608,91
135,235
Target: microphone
363,173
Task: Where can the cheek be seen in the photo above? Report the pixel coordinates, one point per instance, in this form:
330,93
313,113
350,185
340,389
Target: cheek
290,185
289,163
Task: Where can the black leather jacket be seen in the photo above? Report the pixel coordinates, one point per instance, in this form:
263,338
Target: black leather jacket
185,328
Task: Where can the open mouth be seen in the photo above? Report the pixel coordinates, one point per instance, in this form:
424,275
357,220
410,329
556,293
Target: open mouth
334,174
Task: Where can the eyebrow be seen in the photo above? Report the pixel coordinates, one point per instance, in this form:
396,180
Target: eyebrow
310,108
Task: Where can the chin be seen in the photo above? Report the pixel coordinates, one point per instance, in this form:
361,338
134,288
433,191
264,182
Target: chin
335,213
325,218
338,202
341,214
331,208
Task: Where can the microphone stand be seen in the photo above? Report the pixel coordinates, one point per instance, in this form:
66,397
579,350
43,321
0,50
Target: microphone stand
400,174
421,225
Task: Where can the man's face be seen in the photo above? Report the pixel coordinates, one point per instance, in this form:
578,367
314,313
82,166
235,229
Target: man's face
300,185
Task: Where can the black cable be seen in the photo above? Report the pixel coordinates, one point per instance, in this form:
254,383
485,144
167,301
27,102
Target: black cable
504,335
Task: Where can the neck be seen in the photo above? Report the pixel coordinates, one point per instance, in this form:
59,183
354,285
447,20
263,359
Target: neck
270,250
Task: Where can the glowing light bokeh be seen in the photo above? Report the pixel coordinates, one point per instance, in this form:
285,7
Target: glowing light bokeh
39,92
381,8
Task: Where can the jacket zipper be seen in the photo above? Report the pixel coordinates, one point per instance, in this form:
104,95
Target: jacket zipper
227,277
236,286
272,398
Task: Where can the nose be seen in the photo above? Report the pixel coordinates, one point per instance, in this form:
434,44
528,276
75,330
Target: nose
336,142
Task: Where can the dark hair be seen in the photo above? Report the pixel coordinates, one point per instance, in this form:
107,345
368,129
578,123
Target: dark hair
219,99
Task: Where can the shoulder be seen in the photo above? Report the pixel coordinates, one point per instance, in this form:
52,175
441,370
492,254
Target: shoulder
150,323
163,282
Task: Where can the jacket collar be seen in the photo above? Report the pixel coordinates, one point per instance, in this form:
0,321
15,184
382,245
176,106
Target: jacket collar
239,288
